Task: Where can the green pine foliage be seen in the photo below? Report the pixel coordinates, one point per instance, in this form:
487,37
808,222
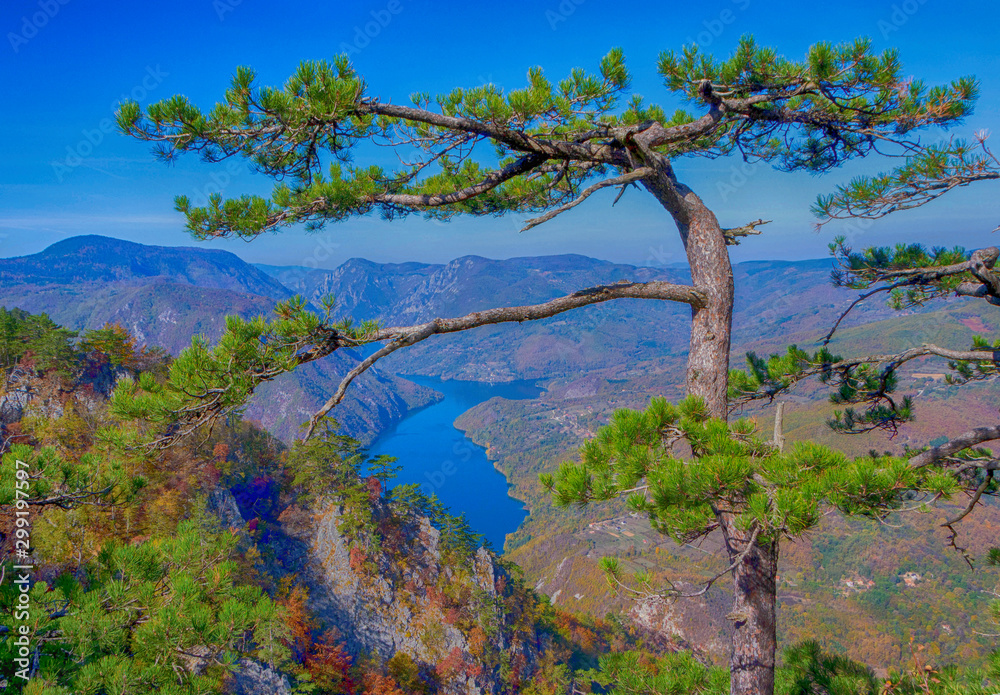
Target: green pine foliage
143,616
133,589
932,171
807,669
105,475
773,494
49,345
207,383
638,673
528,149
860,270
910,275
976,371
851,382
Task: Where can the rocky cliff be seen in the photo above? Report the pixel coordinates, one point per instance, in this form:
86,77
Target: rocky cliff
461,620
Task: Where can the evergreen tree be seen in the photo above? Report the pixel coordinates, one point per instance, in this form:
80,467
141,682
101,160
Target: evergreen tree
732,481
486,152
163,616
50,345
541,149
11,340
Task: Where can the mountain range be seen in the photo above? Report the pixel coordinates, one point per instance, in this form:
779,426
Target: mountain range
165,295
83,282
590,361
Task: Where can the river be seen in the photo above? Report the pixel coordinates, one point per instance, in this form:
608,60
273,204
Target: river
442,460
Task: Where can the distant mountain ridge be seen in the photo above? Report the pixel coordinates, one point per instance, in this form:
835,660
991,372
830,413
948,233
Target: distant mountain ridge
93,258
85,282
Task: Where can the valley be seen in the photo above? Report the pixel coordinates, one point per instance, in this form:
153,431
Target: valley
588,363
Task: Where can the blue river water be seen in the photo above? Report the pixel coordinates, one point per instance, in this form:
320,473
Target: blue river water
442,460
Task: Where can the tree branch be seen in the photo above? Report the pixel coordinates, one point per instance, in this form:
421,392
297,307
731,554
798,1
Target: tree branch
489,182
410,335
980,265
515,139
963,441
622,180
977,495
892,363
734,234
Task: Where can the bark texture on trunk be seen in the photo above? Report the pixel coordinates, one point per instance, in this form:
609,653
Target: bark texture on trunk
754,613
711,274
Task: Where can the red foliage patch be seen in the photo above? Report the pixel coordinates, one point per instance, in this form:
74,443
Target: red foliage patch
452,664
374,486
975,324
358,560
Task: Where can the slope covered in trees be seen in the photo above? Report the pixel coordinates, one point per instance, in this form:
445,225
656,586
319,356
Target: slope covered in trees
685,467
216,565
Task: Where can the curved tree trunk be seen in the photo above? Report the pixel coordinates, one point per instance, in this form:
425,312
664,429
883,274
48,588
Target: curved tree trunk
754,614
711,325
712,274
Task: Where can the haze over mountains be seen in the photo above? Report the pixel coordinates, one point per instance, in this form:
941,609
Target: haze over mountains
590,362
164,295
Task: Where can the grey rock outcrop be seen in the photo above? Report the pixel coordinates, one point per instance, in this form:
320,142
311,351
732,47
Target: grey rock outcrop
254,678
400,606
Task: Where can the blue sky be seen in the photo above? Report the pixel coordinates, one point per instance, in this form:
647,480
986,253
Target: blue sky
64,65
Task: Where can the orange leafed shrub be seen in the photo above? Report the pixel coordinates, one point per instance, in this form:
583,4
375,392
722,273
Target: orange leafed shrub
377,684
358,560
300,622
477,641
452,664
329,665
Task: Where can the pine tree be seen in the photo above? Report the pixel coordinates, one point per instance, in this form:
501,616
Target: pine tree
547,147
163,616
541,149
732,481
11,341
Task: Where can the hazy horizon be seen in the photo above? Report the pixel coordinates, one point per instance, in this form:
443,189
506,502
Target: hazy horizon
65,171
320,266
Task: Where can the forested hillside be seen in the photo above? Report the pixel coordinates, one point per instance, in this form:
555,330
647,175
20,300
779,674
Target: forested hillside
559,549
233,562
